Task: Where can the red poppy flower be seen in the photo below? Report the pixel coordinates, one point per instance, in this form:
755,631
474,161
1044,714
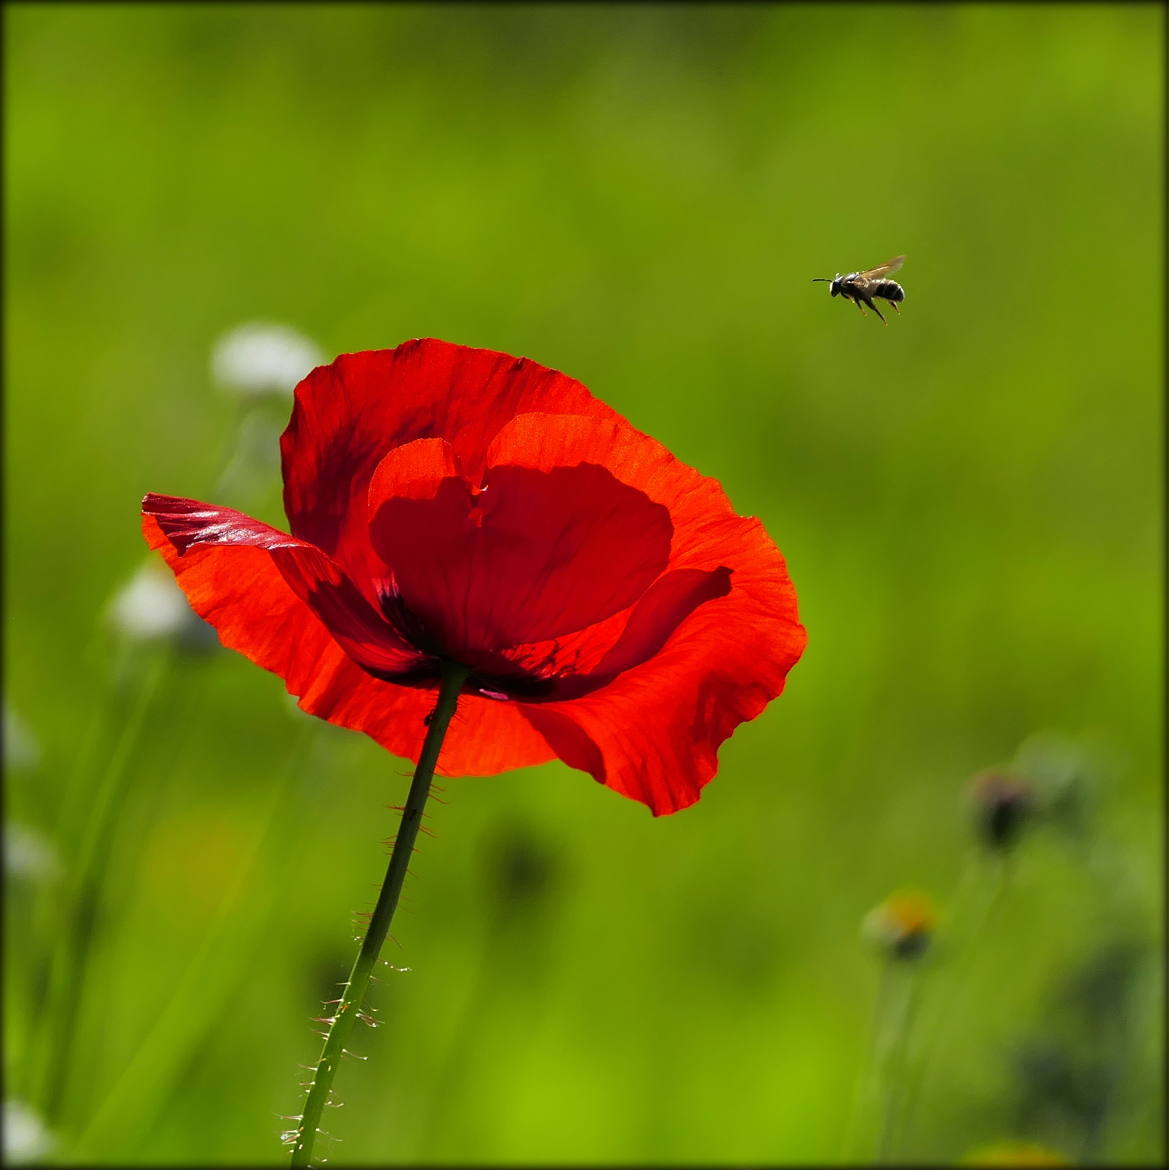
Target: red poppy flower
454,503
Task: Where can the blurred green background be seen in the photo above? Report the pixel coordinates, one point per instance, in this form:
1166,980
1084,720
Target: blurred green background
969,501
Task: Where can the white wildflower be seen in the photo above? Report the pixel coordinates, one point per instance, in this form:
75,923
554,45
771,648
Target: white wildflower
151,605
26,1140
260,358
21,750
28,854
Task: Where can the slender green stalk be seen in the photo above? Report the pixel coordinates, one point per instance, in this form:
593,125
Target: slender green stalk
137,1094
980,889
65,981
341,1023
898,1026
864,1092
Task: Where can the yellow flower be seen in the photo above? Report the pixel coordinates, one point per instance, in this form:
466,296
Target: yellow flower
903,923
1015,1154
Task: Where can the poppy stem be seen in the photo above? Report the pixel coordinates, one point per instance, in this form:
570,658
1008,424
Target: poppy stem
340,1025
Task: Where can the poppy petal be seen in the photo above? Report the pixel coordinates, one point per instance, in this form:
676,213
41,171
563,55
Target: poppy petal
370,640
484,738
188,522
350,413
192,528
530,556
653,733
698,505
665,606
560,669
708,532
244,596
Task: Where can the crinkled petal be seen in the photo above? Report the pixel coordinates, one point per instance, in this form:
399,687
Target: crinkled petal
243,595
350,413
213,554
653,733
189,522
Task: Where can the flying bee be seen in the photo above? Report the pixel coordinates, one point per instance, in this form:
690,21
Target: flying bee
861,287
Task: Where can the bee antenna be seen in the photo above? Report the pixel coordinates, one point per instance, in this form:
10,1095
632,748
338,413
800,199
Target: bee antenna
825,279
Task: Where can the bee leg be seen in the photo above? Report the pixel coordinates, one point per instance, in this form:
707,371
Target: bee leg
878,312
895,308
858,304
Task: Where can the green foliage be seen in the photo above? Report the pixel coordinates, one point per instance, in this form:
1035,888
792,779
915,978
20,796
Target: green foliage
968,501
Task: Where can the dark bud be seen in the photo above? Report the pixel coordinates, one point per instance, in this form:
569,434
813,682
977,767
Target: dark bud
1002,806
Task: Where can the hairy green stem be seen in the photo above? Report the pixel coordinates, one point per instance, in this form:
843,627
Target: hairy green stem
341,1023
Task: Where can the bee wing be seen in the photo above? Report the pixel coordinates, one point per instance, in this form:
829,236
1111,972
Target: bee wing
883,269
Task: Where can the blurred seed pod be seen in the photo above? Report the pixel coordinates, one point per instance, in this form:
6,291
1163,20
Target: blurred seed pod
1003,805
902,924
